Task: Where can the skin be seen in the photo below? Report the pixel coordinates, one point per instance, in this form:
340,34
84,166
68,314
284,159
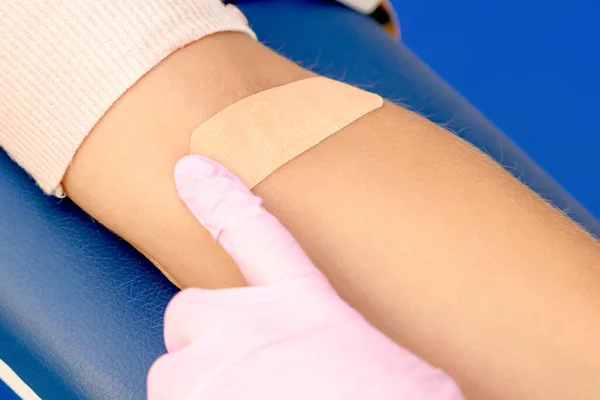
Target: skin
432,241
156,118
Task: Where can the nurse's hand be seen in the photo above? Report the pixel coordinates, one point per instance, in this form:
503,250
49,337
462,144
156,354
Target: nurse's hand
286,336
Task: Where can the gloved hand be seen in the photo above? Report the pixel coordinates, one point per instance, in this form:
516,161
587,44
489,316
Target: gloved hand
286,336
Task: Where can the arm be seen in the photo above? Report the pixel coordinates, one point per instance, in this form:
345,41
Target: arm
132,151
429,238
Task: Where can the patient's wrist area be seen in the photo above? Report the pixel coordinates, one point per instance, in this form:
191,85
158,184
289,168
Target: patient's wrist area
123,173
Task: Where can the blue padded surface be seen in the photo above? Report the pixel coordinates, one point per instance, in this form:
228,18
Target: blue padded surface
81,311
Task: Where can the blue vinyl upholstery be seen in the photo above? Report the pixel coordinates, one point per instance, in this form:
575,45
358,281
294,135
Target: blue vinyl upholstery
81,311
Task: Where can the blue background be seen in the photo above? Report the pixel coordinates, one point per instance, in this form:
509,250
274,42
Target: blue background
532,67
6,393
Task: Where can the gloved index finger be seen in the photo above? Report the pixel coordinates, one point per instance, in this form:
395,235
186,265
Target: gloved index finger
262,247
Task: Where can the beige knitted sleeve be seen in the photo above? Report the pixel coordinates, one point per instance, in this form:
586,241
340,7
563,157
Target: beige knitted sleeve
63,63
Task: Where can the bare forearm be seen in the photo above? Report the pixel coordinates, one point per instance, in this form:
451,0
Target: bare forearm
425,235
123,173
450,255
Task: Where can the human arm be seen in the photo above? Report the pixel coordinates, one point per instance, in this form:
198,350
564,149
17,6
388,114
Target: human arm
433,242
429,238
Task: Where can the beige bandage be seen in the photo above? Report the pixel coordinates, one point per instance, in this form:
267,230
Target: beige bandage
260,133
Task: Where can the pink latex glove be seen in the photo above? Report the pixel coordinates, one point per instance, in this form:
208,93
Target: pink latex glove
288,335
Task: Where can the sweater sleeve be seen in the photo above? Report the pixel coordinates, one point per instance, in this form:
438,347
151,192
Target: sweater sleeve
63,63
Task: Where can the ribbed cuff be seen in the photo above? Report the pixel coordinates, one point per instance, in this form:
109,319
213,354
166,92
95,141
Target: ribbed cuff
64,63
